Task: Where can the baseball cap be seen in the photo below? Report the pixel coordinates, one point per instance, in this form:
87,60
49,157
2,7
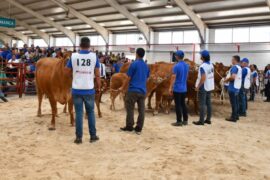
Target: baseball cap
180,53
205,53
245,60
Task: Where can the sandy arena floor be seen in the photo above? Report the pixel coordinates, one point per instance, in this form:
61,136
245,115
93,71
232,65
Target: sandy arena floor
223,150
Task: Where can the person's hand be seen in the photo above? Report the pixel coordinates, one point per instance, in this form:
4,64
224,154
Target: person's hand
121,89
196,88
226,80
98,91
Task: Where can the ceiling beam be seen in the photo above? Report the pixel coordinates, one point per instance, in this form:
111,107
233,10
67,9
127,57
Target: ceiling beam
61,28
41,34
143,28
17,34
5,38
268,3
197,21
100,29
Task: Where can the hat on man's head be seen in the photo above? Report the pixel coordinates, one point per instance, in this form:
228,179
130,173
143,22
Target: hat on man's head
205,53
180,53
245,60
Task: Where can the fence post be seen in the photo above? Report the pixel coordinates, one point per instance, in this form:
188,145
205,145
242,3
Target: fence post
21,79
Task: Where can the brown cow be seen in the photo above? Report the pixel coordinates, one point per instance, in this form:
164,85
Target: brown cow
52,81
117,81
125,67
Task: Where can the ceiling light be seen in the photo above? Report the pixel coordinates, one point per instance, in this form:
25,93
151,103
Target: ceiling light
43,30
69,27
169,4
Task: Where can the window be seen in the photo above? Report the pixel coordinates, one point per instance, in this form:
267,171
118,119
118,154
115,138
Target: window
39,42
96,41
259,34
177,37
223,36
123,39
165,37
241,35
20,43
191,37
63,42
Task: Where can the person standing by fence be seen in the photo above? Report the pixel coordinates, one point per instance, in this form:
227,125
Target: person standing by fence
254,82
267,84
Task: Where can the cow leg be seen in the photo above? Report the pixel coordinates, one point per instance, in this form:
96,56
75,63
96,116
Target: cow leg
70,110
168,105
196,108
40,97
54,111
158,101
149,105
97,101
65,109
113,97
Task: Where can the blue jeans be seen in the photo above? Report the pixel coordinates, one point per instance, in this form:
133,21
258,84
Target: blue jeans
89,102
234,104
242,101
205,101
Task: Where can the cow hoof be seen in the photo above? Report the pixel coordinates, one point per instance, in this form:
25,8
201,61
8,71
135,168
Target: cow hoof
52,129
39,115
155,113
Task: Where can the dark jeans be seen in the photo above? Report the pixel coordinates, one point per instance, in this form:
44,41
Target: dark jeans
253,90
180,106
205,101
89,102
234,104
242,101
267,91
130,100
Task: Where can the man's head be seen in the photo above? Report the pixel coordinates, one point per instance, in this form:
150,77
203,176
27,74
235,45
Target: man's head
245,62
179,55
253,67
268,66
85,43
205,56
13,57
235,59
140,52
102,59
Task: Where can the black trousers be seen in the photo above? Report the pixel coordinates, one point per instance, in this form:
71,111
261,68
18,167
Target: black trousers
130,100
180,106
267,91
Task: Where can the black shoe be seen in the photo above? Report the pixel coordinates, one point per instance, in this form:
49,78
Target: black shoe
199,123
266,100
207,122
177,124
231,120
94,139
243,115
4,99
126,129
237,118
185,123
138,130
78,141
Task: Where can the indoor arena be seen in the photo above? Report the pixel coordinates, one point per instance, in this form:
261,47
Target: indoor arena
134,89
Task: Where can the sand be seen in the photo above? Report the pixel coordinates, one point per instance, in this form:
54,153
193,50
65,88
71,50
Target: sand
222,150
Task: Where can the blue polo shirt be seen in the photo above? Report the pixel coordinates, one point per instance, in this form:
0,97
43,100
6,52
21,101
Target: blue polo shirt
244,74
83,91
234,70
181,70
117,67
5,53
138,73
255,74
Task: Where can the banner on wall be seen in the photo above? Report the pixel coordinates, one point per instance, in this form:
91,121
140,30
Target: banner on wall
7,22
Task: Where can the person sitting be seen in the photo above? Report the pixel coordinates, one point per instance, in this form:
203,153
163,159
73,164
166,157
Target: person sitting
12,68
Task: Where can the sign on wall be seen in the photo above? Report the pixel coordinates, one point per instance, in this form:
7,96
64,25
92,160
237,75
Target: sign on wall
7,22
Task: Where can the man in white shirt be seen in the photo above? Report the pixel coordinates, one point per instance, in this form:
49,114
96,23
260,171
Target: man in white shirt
205,84
12,68
102,68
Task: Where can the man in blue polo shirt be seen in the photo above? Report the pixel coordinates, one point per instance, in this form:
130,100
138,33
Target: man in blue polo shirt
267,83
254,82
138,74
245,85
179,89
205,84
85,67
235,80
117,66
